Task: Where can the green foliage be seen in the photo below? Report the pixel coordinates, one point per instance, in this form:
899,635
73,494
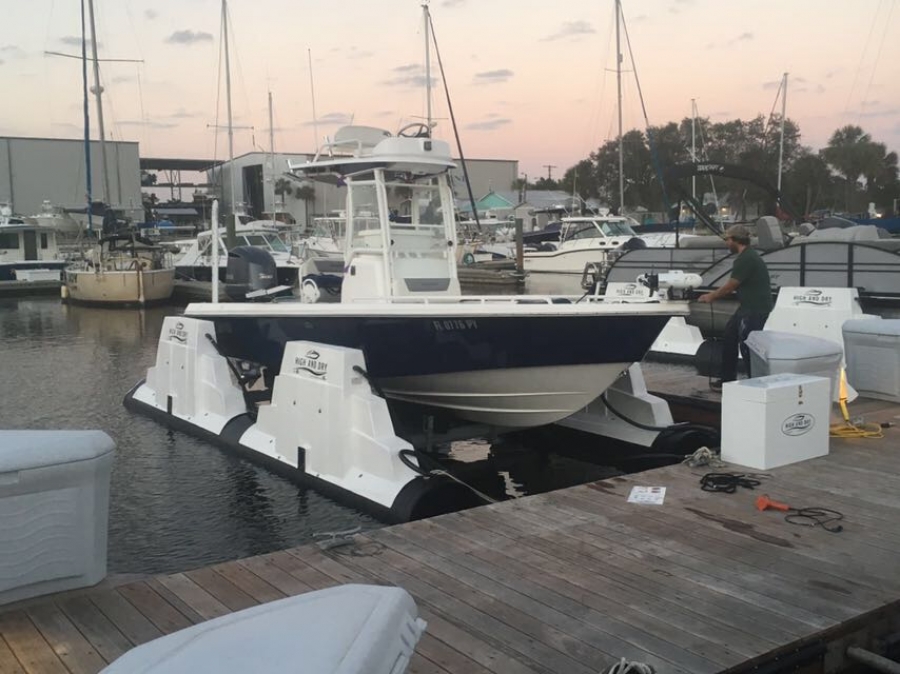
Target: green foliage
852,171
305,192
283,188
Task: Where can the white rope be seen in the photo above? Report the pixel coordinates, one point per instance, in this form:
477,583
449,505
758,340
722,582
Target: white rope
703,457
624,666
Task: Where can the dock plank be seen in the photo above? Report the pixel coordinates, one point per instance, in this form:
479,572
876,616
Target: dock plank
174,601
249,582
219,587
104,635
75,652
278,578
136,627
9,663
163,615
194,596
25,642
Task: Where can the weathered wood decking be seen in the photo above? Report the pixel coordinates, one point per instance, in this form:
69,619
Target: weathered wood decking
567,581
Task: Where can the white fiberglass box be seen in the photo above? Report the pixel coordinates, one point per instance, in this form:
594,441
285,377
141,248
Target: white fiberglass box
54,506
873,357
776,420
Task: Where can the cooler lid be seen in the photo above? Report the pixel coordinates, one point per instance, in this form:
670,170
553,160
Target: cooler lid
887,327
774,345
27,450
348,629
784,387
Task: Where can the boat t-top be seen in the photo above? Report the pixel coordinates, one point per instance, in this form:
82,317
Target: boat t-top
337,392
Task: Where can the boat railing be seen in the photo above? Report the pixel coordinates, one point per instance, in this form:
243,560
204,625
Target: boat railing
497,299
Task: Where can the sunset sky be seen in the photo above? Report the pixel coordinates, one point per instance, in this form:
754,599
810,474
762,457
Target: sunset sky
529,80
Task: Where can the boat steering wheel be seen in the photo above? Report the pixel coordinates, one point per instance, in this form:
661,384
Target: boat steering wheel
415,130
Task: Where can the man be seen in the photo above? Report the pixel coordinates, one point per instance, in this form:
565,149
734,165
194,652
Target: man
750,281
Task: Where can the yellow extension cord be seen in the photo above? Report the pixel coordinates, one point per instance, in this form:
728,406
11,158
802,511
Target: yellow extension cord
848,429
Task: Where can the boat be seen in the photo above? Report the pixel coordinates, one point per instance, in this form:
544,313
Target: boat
326,240
193,261
338,393
57,219
28,252
121,270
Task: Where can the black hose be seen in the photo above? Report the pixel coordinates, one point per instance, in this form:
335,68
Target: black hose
675,436
638,424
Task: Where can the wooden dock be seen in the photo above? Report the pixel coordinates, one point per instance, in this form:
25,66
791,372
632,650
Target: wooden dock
29,288
567,581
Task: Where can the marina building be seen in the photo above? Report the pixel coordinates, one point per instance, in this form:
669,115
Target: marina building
35,170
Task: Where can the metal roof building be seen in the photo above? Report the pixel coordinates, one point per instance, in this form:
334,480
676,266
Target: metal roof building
36,169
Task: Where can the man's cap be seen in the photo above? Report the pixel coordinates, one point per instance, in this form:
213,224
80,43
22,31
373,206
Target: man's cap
738,233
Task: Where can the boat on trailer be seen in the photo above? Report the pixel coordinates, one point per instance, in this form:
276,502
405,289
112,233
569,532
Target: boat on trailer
348,396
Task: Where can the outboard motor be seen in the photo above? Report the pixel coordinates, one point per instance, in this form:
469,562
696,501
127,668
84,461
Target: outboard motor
249,269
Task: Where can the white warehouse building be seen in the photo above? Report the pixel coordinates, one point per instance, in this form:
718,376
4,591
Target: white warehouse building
34,170
253,179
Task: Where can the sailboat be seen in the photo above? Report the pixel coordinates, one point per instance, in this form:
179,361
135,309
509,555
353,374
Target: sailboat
123,268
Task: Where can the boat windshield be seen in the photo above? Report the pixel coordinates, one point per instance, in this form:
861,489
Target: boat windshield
616,228
328,228
599,229
267,241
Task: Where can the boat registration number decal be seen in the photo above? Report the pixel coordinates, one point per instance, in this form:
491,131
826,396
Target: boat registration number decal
452,324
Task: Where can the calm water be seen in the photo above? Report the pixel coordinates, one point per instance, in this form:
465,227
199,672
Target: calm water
176,502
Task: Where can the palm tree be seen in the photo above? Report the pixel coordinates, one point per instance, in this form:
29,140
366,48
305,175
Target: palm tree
306,193
852,153
283,187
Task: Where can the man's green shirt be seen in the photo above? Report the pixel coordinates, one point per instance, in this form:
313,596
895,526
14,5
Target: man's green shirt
754,291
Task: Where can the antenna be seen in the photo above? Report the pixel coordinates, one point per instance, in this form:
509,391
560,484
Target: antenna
549,168
312,93
425,17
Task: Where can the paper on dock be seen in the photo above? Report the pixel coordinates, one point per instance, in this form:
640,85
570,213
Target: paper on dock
648,495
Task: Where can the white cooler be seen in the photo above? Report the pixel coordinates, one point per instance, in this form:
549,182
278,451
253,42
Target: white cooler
774,352
54,506
348,629
775,420
873,357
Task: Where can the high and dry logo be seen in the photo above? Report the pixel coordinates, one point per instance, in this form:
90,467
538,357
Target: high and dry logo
815,297
311,362
629,289
178,333
798,424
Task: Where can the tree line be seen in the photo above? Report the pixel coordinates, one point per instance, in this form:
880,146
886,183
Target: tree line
852,171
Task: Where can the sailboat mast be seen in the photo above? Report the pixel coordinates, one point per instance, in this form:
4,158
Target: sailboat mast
781,141
272,154
107,195
694,144
427,65
87,120
619,86
230,229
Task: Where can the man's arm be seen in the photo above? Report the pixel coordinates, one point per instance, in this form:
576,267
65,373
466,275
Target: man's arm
730,286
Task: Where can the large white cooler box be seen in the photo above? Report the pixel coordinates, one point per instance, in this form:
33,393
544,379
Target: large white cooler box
775,420
348,629
54,508
774,352
873,357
